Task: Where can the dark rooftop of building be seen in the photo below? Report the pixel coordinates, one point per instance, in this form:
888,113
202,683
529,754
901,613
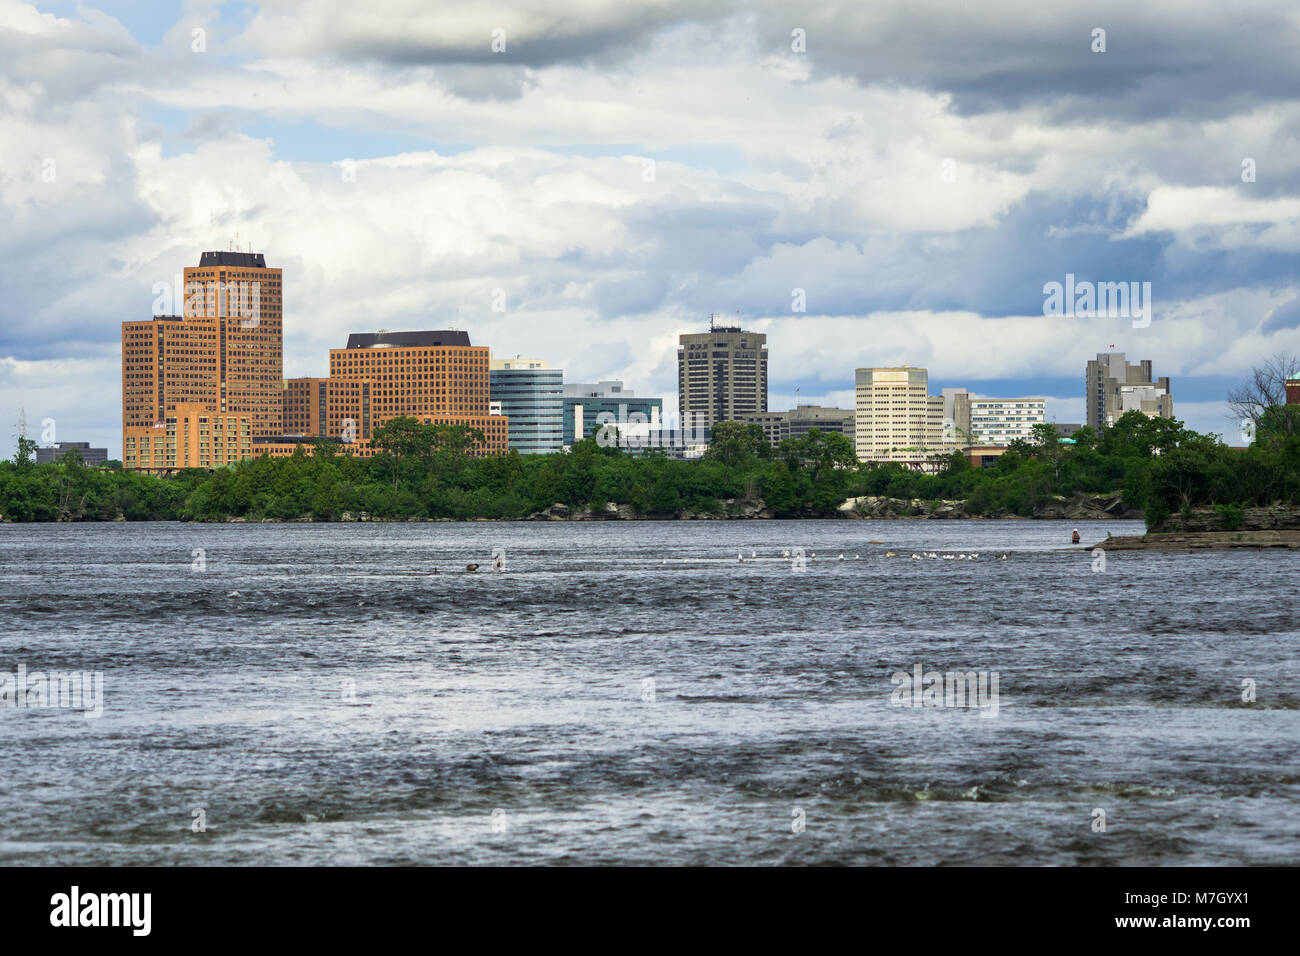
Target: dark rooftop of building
373,340
239,260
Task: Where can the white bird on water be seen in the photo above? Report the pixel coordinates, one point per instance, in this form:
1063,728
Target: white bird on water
785,553
841,555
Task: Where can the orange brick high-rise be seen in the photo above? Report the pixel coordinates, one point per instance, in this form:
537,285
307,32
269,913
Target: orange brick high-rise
306,407
223,357
436,377
238,295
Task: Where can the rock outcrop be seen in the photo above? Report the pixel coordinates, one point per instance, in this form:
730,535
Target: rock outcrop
1276,517
728,508
1084,507
1077,508
1204,540
872,506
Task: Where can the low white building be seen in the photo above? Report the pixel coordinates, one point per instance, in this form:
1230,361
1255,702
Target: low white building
990,421
1000,421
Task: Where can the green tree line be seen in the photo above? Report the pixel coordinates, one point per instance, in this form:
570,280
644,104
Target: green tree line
429,471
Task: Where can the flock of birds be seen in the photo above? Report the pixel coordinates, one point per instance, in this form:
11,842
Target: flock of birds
960,556
916,556
753,556
499,565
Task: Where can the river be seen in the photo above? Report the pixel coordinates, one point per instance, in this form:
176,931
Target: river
632,692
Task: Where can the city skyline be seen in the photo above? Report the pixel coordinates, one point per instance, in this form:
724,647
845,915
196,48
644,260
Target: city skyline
196,386
602,183
207,306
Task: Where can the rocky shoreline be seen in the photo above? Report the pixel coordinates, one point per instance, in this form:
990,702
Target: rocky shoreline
1276,526
1204,540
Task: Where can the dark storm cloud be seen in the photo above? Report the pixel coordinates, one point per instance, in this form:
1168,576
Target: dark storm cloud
1204,60
566,44
404,35
1285,316
1194,59
993,271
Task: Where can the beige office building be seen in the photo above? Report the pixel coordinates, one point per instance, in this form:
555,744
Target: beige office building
721,375
895,417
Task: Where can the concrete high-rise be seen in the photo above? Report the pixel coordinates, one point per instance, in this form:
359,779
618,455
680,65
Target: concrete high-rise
721,374
1113,387
800,420
895,417
55,452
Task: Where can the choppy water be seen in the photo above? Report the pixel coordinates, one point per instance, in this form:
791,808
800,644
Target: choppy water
525,692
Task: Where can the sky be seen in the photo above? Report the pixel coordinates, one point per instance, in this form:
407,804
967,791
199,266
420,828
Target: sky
914,172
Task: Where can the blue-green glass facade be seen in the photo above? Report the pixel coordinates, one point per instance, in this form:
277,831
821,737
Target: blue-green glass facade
533,400
622,410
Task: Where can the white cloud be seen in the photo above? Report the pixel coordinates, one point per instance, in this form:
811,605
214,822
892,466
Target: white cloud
1206,210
